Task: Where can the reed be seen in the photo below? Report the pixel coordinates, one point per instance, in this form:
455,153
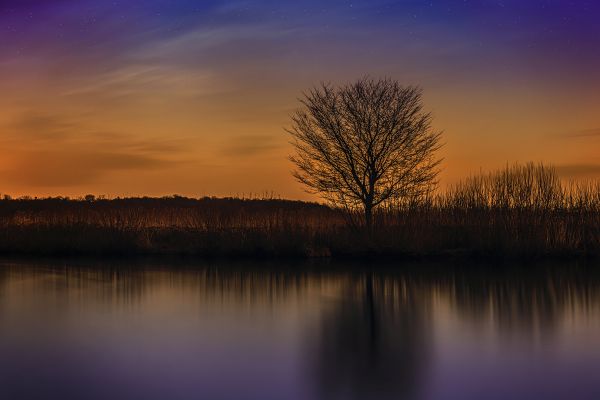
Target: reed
521,211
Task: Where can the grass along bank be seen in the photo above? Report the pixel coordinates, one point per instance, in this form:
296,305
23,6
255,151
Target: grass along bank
520,212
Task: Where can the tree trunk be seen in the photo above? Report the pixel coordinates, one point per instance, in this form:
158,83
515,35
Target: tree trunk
369,217
368,225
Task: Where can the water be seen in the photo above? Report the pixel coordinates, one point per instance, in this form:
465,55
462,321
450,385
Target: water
243,331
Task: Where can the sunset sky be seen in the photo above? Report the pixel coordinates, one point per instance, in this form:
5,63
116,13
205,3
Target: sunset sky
191,97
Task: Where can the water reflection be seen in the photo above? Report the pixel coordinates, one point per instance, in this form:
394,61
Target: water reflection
524,304
297,331
374,343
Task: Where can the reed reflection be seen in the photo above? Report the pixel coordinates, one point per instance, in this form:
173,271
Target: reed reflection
337,333
523,304
514,300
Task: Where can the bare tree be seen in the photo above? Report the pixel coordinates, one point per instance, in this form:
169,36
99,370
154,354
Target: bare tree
364,144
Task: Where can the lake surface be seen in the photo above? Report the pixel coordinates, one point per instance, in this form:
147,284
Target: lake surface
81,330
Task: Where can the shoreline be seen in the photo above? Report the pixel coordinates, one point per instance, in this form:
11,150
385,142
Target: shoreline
212,228
359,255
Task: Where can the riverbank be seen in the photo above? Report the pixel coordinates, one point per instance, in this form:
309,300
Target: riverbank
522,212
406,241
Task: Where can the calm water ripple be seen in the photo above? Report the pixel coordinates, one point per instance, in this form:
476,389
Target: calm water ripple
248,331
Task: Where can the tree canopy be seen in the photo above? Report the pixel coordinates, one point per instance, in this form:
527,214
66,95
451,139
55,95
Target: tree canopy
365,143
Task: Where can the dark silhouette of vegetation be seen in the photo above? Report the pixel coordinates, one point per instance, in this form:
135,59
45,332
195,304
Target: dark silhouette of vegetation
170,225
523,211
364,144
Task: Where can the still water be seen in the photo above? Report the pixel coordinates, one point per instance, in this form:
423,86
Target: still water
82,330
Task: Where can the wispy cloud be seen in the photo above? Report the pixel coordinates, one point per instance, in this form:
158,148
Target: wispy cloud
584,133
56,151
142,83
36,125
64,168
250,145
579,170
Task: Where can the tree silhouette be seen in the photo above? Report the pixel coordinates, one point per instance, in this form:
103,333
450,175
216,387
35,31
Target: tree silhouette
365,143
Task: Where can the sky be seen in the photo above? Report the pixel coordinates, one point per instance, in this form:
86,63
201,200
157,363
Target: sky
160,97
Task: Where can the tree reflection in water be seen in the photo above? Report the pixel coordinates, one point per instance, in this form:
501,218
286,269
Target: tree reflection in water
383,337
374,343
